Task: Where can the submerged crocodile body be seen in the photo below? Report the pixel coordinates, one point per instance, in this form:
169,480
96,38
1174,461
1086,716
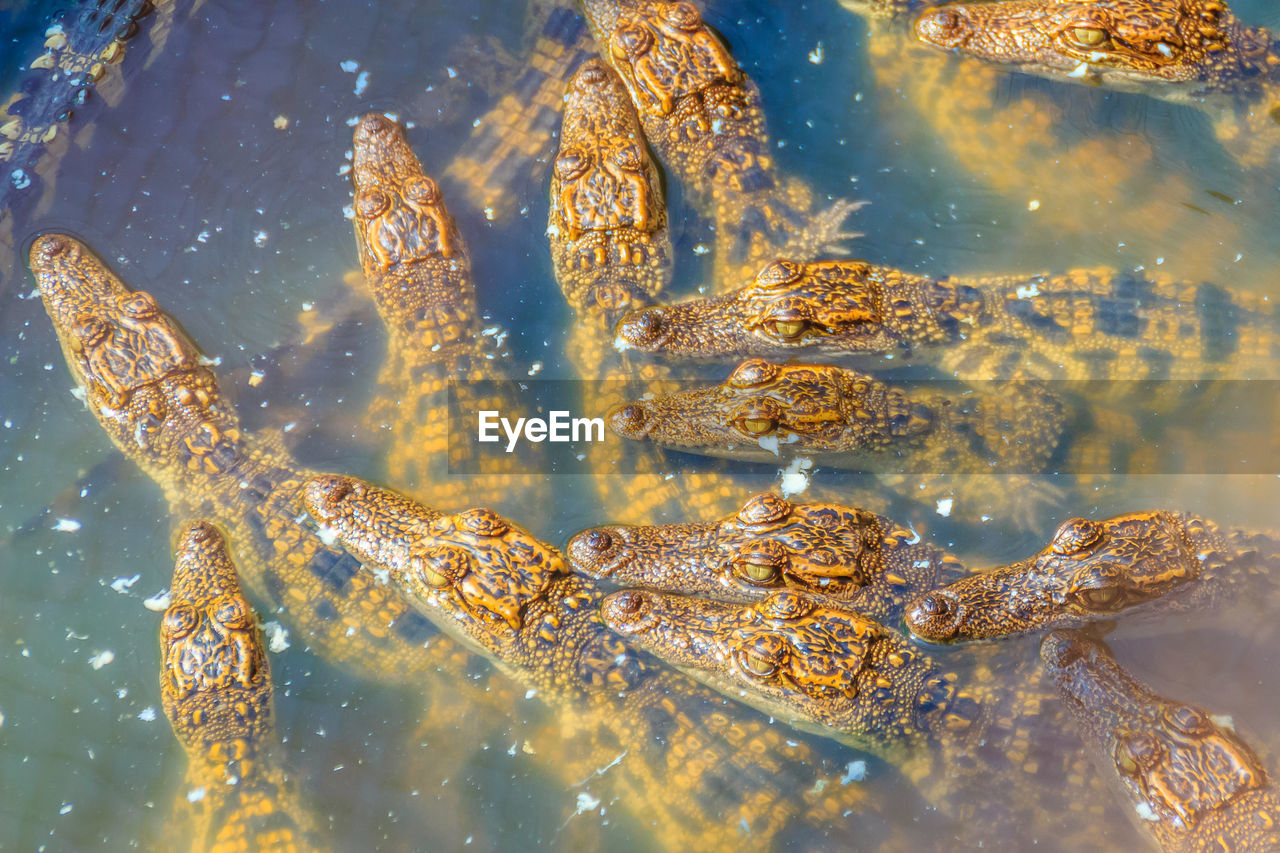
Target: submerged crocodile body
698,773
1084,324
703,116
972,749
215,685
845,555
1097,570
1192,782
1193,51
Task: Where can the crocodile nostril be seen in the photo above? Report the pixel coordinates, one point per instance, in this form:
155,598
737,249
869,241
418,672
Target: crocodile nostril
943,27
629,421
641,329
597,540
935,617
629,602
935,606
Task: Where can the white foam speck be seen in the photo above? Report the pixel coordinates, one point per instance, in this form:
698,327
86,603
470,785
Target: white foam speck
195,795
944,506
769,443
1145,811
102,658
620,344
159,602
277,636
122,584
328,535
350,66
794,479
147,714
66,808
1027,292
66,525
856,771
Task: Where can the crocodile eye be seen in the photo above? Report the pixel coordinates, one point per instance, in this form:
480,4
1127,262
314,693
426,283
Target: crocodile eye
631,41
1101,598
371,203
629,158
91,331
422,191
1135,751
1090,37
439,566
683,16
756,665
179,621
1075,535
570,164
759,572
232,613
757,423
753,373
788,329
140,306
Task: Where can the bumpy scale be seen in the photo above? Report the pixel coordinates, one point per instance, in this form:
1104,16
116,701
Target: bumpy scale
1097,570
419,273
702,115
611,251
1193,51
215,686
1191,780
848,556
977,752
1083,324
686,763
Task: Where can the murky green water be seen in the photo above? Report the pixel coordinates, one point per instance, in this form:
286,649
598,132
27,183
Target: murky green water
186,184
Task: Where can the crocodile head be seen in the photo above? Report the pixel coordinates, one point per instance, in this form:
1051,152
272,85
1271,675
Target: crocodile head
473,571
796,659
1090,570
137,370
1117,43
407,240
608,220
214,682
1185,772
789,306
690,93
763,408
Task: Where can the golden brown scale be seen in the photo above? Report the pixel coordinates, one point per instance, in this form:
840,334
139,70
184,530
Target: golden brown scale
1096,570
1192,782
419,273
1031,148
1179,50
848,556
215,686
684,762
702,115
974,751
510,143
1082,324
611,251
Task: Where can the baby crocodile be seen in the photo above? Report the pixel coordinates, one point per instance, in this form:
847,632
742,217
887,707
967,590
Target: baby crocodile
1084,324
974,751
419,272
1096,570
1193,783
699,774
1180,50
703,116
848,556
215,685
610,251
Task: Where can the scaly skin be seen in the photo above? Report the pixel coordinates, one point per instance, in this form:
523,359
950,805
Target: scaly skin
82,55
833,671
702,115
215,686
1178,50
1084,324
844,555
611,251
1193,783
698,774
419,273
1097,570
513,139
147,385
